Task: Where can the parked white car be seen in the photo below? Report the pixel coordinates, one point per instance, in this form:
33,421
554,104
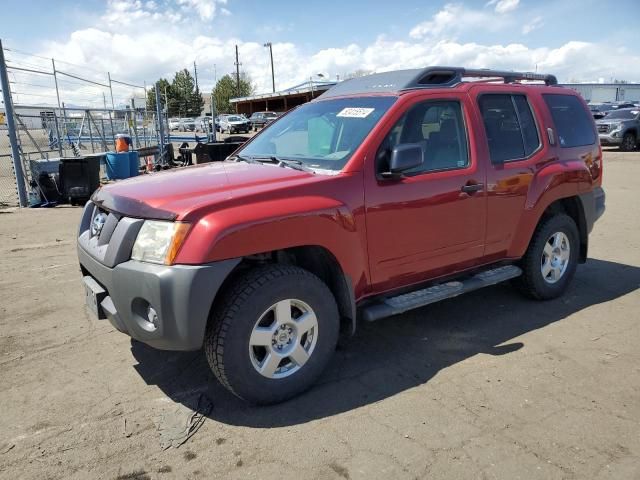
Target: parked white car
174,123
234,124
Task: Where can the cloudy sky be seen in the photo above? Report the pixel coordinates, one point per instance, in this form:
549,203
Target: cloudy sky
138,40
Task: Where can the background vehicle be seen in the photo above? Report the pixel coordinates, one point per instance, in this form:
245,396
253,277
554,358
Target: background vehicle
620,128
261,119
600,110
203,124
174,123
234,124
187,125
387,193
217,121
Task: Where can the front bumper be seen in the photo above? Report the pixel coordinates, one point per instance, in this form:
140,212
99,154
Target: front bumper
181,295
610,140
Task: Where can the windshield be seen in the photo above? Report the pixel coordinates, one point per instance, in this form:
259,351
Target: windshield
623,114
270,115
234,119
321,134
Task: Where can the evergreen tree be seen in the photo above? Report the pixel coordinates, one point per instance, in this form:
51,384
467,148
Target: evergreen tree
226,88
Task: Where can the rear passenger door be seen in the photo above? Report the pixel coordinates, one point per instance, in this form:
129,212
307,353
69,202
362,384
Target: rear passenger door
431,221
514,145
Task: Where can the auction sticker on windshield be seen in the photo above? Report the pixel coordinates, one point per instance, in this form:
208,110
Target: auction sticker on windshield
353,112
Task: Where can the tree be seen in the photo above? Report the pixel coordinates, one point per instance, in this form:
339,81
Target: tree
226,88
165,88
188,99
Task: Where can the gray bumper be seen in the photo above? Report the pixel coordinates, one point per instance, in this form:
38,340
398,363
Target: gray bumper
181,295
593,206
607,140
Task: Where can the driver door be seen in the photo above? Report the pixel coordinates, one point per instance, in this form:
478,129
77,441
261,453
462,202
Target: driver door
431,221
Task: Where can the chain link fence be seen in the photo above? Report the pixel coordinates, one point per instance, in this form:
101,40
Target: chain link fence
8,190
62,110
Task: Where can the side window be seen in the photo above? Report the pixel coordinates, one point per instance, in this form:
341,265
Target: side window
439,127
573,125
509,125
527,124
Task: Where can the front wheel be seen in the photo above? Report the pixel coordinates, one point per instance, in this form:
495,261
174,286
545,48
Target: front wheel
272,334
628,142
551,259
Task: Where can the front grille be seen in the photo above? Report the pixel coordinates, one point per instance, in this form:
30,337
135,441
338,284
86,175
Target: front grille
603,128
107,236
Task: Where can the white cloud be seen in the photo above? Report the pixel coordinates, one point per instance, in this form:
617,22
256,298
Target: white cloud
504,6
455,18
532,25
206,8
136,55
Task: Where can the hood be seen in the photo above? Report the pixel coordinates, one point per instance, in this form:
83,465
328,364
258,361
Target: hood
611,121
172,195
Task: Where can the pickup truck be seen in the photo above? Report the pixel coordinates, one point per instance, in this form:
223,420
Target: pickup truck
620,128
387,193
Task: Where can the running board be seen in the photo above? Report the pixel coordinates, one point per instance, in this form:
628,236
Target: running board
420,298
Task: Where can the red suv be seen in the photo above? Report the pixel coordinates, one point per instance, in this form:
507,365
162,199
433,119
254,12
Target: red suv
387,193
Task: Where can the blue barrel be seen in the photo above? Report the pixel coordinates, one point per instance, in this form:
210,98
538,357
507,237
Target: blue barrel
118,165
134,164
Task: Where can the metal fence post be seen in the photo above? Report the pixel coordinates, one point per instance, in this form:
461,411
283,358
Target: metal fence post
135,122
111,91
160,126
214,114
13,139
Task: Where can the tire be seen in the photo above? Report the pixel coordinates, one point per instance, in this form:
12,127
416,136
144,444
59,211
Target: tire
243,330
628,142
544,278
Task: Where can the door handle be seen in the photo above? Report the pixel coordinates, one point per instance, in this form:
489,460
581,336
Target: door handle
472,187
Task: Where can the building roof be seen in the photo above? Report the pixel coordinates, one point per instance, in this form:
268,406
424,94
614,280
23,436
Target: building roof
306,87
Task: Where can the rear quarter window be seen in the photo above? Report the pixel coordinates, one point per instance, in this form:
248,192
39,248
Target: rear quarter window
573,123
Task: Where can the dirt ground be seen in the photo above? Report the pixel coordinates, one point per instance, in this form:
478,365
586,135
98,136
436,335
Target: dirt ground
489,385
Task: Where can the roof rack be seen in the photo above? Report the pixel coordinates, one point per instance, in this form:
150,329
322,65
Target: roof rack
430,77
449,76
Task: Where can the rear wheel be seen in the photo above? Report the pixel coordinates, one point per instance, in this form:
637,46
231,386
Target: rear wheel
628,142
551,259
273,333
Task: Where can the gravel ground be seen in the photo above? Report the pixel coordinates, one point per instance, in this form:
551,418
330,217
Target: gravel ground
489,385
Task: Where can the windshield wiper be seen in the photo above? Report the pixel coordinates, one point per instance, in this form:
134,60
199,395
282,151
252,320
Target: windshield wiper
240,158
283,162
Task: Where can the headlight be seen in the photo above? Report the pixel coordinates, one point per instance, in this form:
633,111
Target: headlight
616,126
159,242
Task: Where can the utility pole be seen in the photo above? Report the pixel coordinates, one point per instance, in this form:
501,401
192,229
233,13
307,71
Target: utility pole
195,73
237,64
273,77
11,125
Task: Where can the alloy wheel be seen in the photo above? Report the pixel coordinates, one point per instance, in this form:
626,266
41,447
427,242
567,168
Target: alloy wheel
555,257
283,338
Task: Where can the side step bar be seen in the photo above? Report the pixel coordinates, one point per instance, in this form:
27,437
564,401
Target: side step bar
419,298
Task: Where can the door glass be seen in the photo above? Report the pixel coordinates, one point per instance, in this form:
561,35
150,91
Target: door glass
527,125
438,126
502,128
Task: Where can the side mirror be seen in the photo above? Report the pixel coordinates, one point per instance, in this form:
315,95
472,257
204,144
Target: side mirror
404,157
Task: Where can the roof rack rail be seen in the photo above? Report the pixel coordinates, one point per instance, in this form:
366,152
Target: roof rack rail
449,76
429,77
